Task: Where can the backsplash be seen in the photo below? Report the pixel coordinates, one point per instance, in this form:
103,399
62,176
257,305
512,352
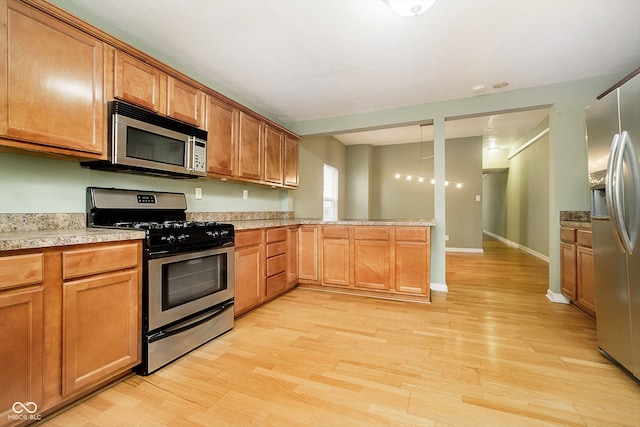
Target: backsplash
22,222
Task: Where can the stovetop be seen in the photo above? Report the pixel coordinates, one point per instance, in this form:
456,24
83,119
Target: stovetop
161,215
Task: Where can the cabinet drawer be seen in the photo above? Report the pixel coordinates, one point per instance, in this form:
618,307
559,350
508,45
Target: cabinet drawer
276,235
371,233
336,232
583,237
276,284
277,248
85,262
20,270
411,234
567,234
248,238
276,264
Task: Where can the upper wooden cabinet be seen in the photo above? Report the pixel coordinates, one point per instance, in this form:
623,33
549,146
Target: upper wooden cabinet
57,74
136,82
144,85
250,146
222,141
184,102
51,84
273,155
291,170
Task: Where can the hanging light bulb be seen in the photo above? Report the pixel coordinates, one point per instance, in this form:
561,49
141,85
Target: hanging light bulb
409,7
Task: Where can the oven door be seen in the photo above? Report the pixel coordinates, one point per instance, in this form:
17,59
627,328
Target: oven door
184,284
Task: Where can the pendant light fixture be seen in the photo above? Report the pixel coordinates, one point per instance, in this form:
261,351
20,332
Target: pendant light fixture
409,7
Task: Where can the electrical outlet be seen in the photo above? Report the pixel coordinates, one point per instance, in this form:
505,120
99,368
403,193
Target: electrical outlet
198,193
446,237
245,194
477,197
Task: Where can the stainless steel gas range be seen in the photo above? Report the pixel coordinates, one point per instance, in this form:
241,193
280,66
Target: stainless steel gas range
188,271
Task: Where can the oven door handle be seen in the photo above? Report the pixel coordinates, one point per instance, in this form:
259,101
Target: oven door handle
166,333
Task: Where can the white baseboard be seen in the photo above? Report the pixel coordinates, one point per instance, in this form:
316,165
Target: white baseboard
441,287
517,245
559,298
466,250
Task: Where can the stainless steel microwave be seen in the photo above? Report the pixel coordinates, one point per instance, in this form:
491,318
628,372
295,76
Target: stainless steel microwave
145,142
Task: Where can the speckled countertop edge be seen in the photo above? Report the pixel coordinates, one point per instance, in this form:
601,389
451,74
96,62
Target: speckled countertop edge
49,238
253,224
578,219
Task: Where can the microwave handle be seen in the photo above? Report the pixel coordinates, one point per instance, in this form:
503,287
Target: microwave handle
189,153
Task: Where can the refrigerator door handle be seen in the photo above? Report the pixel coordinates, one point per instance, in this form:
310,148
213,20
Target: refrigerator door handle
627,152
611,182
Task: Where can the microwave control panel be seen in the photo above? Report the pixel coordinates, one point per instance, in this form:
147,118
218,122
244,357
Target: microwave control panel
199,156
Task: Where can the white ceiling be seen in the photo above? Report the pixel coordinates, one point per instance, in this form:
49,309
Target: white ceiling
308,59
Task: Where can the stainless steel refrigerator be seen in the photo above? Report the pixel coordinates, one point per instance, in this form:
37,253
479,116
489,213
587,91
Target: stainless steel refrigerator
613,141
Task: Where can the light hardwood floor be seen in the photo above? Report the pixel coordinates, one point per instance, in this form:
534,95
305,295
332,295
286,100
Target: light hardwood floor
494,351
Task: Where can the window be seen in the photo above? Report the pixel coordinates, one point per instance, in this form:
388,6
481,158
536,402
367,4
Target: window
330,194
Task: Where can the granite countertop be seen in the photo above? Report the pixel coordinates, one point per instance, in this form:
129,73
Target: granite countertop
48,238
577,219
20,237
253,224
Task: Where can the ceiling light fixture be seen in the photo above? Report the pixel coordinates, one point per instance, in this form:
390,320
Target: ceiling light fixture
409,7
423,179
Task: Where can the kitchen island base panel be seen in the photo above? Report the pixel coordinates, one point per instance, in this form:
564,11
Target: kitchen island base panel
422,299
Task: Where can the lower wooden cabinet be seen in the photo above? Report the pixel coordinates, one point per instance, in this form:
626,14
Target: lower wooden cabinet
264,265
101,322
412,266
577,277
21,352
308,244
586,297
277,279
250,280
361,259
292,257
372,260
70,321
336,258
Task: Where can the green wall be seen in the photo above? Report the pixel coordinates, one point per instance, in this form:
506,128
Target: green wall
370,191
32,184
314,153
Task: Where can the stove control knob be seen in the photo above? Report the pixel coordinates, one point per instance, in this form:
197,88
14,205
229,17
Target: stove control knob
214,234
171,239
182,237
224,233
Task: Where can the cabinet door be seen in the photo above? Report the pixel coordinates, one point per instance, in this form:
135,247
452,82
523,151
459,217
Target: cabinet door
291,172
568,275
250,147
21,329
273,154
412,260
221,125
308,251
292,268
136,82
249,291
184,102
51,82
335,262
586,280
372,258
411,267
101,328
